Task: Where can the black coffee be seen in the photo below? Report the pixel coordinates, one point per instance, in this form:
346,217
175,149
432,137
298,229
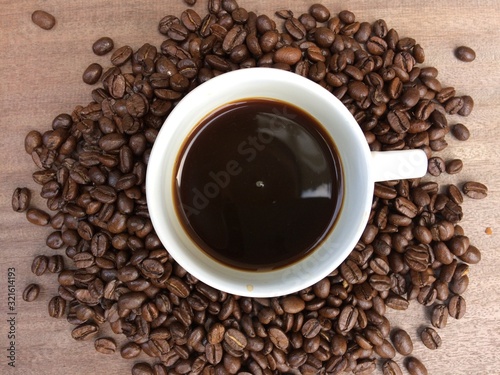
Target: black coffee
259,184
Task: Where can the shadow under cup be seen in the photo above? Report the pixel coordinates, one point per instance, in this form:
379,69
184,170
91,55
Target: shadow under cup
357,178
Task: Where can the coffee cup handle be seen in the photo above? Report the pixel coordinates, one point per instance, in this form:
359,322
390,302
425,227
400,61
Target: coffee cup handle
397,165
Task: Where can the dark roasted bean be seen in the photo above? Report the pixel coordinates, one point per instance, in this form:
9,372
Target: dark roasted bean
21,199
102,46
105,345
57,307
121,55
43,19
415,367
475,190
391,368
402,342
430,338
37,217
464,53
31,292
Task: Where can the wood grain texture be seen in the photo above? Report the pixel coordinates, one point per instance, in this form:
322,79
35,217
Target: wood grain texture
41,77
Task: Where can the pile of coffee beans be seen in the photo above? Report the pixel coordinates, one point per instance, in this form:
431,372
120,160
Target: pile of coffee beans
92,166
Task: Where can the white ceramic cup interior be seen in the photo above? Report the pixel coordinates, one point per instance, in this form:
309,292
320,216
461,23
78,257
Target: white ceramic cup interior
361,169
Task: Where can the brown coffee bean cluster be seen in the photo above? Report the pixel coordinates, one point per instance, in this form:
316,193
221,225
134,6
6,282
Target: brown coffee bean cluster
92,167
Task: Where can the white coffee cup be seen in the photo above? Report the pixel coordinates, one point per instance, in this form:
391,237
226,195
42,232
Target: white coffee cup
361,169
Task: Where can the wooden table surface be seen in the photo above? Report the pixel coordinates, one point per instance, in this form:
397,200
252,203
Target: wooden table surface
41,77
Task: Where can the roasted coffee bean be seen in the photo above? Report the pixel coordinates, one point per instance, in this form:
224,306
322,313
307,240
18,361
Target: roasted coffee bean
390,367
130,350
454,166
32,141
454,105
103,46
439,316
402,342
37,217
56,241
92,74
417,258
43,19
396,302
191,20
346,321
105,345
121,55
278,338
405,207
456,307
31,292
430,338
292,304
142,368
385,350
415,367
436,166
214,353
475,190
468,105
57,307
471,256
319,12
21,199
235,339
465,54
295,28
39,265
288,55
460,132
376,45
410,97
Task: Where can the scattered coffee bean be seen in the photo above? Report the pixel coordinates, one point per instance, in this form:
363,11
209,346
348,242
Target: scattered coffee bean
37,217
402,342
454,166
464,53
103,46
439,316
391,368
460,132
430,338
456,307
92,74
43,19
31,292
475,190
21,199
415,367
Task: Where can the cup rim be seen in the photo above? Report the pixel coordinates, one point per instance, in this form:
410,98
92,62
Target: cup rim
242,282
